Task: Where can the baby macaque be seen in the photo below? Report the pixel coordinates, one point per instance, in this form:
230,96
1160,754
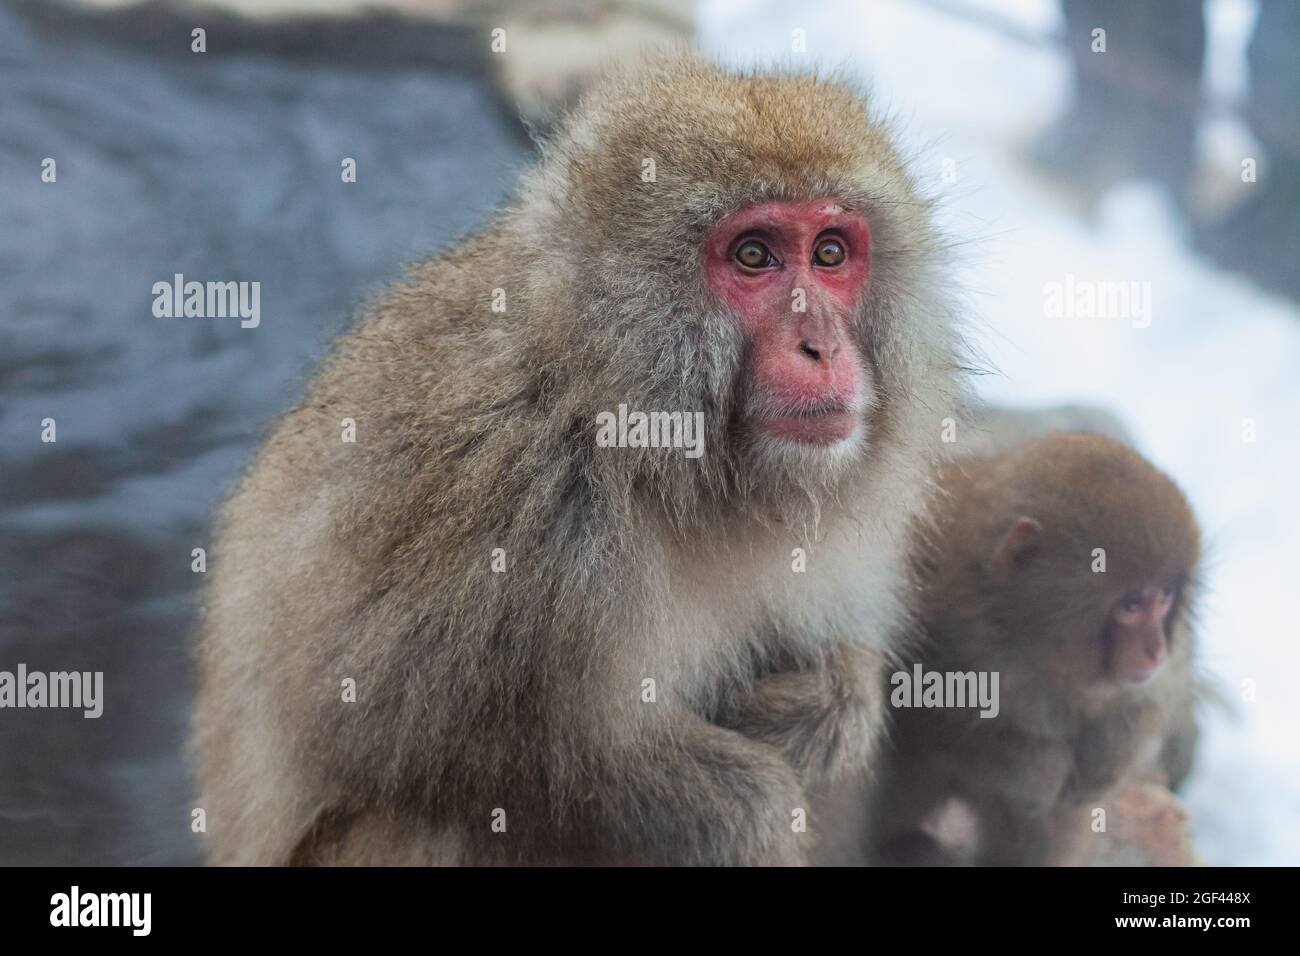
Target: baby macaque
1058,574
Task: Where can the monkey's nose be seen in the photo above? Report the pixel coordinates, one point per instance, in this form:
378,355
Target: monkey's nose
817,352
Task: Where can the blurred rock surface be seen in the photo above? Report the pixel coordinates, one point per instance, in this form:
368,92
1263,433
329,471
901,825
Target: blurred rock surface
221,167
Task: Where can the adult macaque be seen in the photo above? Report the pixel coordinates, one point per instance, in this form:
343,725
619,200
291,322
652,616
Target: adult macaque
564,652
1066,566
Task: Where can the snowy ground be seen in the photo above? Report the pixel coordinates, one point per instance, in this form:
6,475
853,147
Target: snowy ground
1216,352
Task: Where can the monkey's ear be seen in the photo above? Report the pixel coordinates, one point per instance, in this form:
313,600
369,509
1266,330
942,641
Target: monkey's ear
1018,545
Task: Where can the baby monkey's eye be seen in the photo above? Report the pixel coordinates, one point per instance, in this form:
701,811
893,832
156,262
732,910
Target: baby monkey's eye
829,252
754,254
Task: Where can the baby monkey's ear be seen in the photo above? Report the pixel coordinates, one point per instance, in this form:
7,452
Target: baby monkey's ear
1017,547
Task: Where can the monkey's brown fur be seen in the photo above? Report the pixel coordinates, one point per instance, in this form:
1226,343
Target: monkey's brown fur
1064,734
522,691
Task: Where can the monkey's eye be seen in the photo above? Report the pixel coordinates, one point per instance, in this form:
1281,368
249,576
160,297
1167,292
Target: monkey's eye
1132,603
829,252
754,255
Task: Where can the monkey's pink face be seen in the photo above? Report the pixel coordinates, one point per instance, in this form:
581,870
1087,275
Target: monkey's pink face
794,273
1139,641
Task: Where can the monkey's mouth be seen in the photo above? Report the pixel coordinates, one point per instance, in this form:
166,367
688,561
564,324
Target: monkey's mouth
1141,678
822,426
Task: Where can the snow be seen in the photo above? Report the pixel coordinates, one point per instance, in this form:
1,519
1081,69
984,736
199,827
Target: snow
1216,352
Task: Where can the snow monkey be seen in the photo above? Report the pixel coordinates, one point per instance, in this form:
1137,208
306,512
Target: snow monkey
456,617
1067,566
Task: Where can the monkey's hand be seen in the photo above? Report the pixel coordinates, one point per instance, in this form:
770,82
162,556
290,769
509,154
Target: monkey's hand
823,720
701,794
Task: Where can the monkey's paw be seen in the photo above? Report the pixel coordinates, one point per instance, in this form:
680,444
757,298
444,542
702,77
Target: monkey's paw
817,723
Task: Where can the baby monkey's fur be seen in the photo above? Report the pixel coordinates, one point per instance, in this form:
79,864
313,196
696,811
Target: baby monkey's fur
1065,732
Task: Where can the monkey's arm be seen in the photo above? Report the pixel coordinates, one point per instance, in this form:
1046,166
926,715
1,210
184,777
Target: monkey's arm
687,793
1023,773
1178,754
1034,810
1015,781
1105,751
823,719
737,798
